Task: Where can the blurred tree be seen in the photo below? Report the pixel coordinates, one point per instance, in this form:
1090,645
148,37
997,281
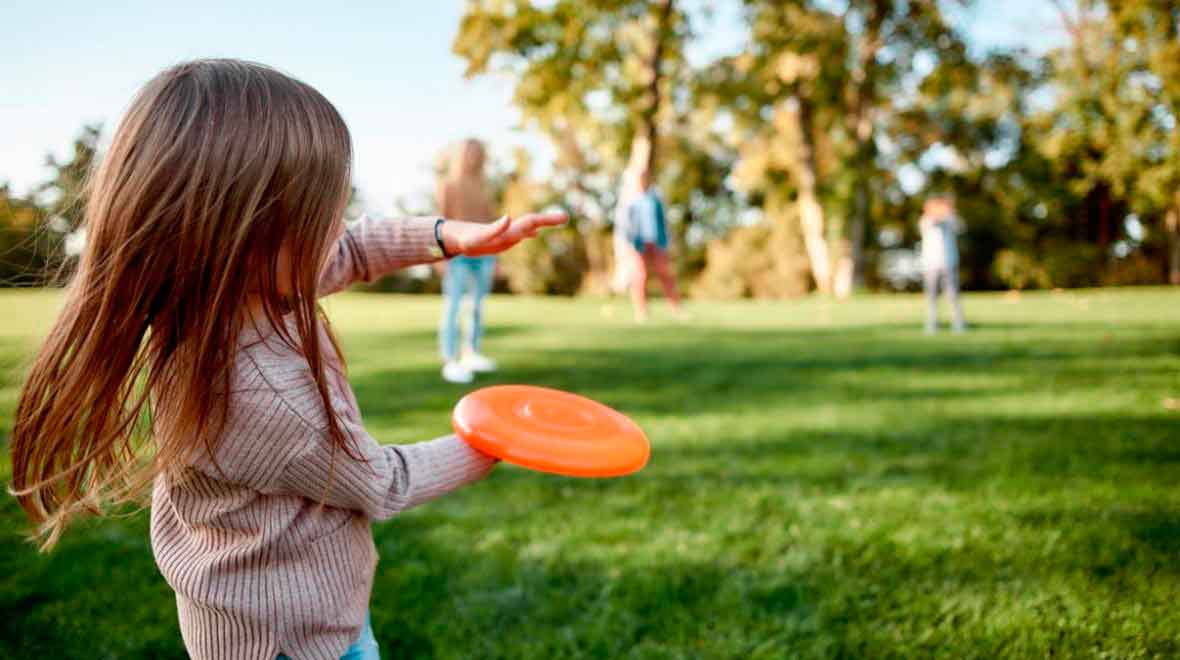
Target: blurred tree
976,116
38,231
1107,206
608,83
1075,133
64,193
816,95
554,262
749,261
1142,161
839,117
24,253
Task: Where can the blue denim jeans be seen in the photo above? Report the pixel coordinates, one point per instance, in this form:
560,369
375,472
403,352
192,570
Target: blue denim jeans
364,648
465,275
948,277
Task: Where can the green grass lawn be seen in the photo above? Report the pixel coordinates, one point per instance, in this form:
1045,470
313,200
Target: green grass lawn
825,481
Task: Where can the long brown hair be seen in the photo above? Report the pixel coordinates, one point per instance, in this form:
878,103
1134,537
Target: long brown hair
224,180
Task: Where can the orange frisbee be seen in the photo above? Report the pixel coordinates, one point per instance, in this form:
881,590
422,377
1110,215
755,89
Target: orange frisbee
551,431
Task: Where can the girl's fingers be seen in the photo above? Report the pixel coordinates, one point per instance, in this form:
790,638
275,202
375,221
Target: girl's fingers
488,234
538,220
481,236
506,232
498,227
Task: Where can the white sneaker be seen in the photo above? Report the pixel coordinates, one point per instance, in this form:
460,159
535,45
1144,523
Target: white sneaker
479,363
453,372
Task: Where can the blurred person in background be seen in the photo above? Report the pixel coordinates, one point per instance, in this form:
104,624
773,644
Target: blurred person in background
641,242
940,228
463,195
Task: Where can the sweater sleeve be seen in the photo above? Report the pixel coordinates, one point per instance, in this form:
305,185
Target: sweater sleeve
370,248
380,481
276,441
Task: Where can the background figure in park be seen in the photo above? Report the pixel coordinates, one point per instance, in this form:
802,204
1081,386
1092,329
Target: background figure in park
940,228
641,241
463,195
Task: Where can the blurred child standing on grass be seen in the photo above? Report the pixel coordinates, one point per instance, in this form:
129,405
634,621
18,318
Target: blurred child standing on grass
641,239
940,228
191,352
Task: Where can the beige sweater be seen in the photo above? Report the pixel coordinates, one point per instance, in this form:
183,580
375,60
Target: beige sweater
258,567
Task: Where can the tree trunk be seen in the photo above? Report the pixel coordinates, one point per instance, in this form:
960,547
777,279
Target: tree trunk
860,99
811,214
643,146
843,274
1172,222
597,243
649,129
1104,216
596,280
856,232
850,260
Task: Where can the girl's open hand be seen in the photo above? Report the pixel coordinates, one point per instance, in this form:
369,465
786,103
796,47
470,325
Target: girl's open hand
475,239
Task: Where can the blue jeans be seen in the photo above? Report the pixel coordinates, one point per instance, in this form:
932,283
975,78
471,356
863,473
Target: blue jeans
948,277
364,648
464,275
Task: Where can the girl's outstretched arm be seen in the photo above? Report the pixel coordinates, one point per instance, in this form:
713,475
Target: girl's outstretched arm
276,439
381,481
368,248
277,442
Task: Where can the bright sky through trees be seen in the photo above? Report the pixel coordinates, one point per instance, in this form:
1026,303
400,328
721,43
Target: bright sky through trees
387,66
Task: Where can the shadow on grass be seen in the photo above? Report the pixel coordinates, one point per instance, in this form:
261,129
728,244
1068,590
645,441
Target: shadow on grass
1027,443
703,372
362,340
849,597
832,589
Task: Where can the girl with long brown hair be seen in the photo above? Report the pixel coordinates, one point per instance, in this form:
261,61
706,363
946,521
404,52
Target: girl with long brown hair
191,353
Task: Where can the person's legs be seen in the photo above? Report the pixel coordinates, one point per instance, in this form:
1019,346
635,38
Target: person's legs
470,283
484,274
453,285
663,267
639,286
930,283
958,323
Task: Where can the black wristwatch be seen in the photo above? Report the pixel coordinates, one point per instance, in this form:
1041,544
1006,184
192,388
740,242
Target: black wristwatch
442,248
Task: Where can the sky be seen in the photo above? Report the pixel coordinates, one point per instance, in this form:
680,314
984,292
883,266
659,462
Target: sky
387,66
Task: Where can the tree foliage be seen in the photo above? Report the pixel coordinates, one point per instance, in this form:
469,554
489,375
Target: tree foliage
799,159
608,83
40,231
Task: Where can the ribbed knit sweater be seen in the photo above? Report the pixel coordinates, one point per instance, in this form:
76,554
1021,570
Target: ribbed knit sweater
258,566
